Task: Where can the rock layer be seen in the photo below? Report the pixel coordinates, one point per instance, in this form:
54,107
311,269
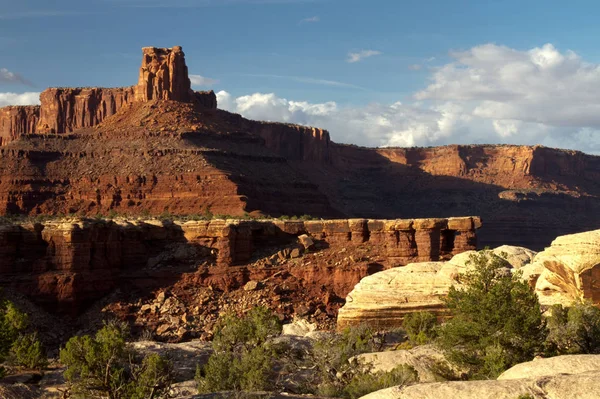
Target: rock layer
72,263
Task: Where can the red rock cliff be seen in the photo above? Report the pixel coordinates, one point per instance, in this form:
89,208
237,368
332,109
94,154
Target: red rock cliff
66,110
17,120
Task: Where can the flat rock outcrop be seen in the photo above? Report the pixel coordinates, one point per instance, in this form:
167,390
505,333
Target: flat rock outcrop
542,367
561,377
576,386
384,298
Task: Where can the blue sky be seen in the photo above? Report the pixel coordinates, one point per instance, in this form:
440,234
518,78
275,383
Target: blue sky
416,80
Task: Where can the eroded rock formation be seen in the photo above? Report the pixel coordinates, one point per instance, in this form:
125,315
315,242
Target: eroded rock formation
163,75
570,269
70,264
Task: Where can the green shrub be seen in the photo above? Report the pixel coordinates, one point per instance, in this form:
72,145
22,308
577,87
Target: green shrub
12,323
420,327
102,366
332,359
243,359
574,330
27,351
365,382
497,321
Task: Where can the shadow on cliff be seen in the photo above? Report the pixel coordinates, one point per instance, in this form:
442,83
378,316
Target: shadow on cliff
265,180
362,183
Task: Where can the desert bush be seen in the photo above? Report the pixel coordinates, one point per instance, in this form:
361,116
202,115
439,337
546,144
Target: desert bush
334,359
27,351
497,321
573,330
243,359
420,327
103,366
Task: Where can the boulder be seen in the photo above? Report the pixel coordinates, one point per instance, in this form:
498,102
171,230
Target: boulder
252,286
517,257
299,327
306,241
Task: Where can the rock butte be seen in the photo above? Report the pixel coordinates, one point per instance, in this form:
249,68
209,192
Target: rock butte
160,146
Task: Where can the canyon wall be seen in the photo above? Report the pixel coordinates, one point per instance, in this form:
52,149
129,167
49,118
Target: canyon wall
67,265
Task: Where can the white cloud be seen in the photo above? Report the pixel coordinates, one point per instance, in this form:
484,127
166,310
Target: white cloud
28,98
415,67
198,80
488,94
361,55
7,76
310,20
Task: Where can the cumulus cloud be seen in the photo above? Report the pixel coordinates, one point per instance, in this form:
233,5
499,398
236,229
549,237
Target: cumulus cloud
372,125
7,76
28,98
488,94
198,80
361,55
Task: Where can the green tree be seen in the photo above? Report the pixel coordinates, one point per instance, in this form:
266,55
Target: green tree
575,329
243,358
496,319
26,350
103,367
